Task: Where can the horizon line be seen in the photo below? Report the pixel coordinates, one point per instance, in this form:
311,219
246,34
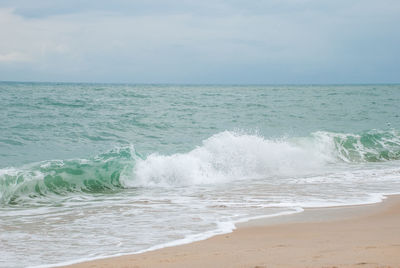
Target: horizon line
201,84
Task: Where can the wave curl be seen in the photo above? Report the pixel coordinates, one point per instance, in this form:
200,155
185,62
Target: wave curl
224,157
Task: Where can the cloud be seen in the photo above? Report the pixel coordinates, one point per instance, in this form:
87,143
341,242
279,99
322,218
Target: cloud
14,57
200,42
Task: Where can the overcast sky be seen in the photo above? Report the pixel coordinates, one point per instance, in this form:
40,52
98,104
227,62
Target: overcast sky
208,41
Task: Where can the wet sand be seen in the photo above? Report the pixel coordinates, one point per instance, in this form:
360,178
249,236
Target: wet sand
355,236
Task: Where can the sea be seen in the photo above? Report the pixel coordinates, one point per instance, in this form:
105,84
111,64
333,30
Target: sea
95,170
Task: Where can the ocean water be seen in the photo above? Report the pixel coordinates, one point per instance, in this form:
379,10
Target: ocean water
95,170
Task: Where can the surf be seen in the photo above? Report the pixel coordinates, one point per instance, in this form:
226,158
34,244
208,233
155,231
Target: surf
222,158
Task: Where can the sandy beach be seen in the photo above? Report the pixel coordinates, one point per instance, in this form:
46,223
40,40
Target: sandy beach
355,236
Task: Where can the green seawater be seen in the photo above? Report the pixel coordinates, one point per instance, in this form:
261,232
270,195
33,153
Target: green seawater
115,168
111,126
44,121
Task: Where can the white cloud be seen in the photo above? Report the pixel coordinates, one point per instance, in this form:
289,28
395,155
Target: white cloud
14,57
272,42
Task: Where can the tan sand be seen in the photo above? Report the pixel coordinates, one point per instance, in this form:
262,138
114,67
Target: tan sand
358,236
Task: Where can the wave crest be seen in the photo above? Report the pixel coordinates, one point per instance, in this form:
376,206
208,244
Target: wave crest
63,177
224,157
228,156
371,146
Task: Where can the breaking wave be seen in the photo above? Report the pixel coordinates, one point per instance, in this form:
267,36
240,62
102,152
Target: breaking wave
222,158
54,178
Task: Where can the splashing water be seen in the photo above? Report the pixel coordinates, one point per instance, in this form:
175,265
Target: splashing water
222,158
188,161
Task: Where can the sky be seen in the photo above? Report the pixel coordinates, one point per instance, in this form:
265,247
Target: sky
200,42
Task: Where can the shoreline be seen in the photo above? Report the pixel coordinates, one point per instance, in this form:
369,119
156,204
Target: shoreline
266,242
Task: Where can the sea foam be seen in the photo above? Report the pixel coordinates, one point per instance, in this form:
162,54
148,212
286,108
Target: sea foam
222,158
230,156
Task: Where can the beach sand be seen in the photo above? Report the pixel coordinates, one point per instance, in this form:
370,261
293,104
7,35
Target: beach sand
355,236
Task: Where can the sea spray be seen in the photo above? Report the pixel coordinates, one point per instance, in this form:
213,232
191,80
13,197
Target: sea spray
229,156
189,174
222,158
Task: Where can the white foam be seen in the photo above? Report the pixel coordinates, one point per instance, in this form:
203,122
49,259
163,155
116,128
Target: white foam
222,228
229,156
228,227
281,176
